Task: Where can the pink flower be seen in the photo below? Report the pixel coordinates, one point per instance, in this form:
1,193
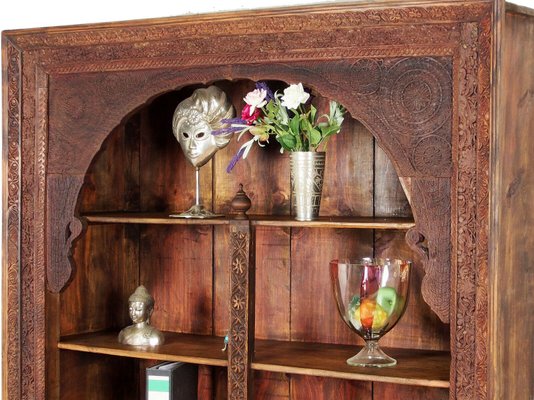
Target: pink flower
250,117
256,99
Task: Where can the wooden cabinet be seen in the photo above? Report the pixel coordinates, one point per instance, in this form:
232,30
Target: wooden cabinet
431,160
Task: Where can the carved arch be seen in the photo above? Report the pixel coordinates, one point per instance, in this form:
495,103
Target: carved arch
406,103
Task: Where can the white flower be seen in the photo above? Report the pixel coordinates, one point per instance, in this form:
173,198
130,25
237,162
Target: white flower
294,95
256,99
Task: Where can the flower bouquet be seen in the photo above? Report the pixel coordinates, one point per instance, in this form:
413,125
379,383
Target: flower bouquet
287,117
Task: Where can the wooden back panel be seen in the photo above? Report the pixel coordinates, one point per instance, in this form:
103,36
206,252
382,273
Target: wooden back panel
141,168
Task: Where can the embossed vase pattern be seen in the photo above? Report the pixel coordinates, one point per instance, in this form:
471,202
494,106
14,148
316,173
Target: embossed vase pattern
307,172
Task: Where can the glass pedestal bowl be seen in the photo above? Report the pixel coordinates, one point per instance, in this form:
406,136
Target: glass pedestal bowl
371,296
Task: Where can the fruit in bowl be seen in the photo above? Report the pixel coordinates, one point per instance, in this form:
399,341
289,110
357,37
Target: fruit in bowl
371,298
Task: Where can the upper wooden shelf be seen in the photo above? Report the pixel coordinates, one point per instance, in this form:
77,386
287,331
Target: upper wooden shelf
414,367
256,220
196,349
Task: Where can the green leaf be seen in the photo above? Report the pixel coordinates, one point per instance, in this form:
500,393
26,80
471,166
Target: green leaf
329,130
315,137
294,125
313,112
288,142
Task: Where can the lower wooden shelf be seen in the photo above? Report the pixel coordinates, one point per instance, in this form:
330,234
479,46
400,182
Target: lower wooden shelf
195,349
414,367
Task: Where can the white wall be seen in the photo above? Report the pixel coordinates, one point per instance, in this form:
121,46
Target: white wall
38,13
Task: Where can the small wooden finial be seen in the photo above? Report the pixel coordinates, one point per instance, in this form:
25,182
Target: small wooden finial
241,203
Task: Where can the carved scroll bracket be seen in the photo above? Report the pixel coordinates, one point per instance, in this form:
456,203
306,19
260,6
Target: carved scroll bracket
63,228
416,241
430,239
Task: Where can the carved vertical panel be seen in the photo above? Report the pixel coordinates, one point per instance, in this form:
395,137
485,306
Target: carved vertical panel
241,336
468,380
482,190
31,298
11,246
41,145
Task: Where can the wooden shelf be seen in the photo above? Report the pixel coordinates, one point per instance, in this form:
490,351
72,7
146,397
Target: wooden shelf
334,222
256,220
414,367
149,218
196,349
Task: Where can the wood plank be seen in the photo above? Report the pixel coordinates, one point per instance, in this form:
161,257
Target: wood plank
149,218
256,220
320,388
389,197
97,377
314,314
346,222
176,268
271,385
273,297
112,180
196,349
391,391
222,261
205,383
348,179
414,367
511,243
106,274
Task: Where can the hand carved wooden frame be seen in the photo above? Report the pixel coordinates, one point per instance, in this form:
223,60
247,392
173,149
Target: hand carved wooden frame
373,58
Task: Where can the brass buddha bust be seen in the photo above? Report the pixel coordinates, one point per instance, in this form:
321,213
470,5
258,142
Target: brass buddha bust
141,333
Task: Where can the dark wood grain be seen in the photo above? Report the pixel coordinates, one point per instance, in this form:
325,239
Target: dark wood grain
98,296
271,385
389,198
184,257
400,392
414,367
308,387
97,377
112,181
197,349
273,293
314,314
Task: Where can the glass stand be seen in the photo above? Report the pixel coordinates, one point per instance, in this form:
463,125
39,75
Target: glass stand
198,210
372,356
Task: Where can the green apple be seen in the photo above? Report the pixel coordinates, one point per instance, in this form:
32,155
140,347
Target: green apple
388,299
